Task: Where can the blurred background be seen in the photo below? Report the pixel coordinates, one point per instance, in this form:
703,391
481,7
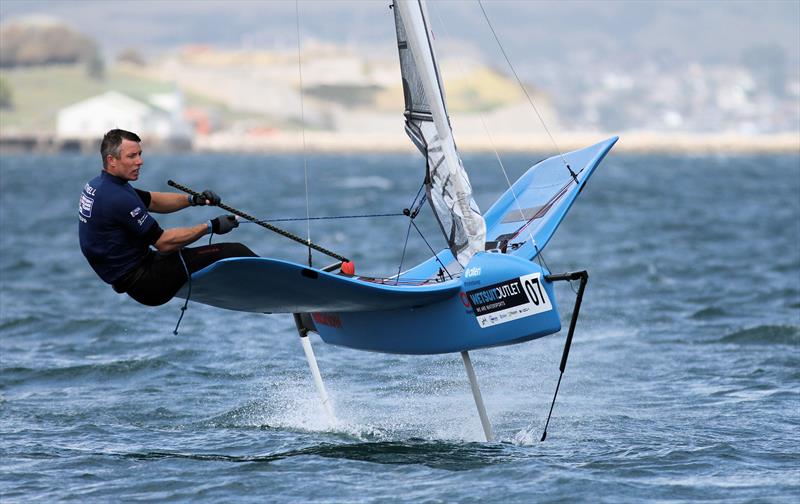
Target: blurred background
221,75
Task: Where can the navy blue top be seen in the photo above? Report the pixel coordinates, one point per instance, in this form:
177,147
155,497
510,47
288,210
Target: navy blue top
115,228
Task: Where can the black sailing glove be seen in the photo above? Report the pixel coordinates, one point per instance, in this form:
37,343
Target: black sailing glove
223,224
207,196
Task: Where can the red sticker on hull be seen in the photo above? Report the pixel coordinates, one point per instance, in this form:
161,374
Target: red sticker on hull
328,319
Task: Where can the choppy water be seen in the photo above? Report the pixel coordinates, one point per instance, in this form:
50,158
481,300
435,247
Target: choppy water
683,383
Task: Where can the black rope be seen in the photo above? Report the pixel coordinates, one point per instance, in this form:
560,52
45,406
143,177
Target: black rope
431,249
188,295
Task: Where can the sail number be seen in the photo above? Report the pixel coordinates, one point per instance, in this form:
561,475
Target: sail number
536,292
534,289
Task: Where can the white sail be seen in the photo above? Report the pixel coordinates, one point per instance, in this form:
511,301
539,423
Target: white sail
427,123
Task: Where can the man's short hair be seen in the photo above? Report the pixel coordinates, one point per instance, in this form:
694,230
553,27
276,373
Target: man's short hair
112,142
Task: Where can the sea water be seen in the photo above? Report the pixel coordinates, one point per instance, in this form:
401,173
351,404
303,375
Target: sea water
683,383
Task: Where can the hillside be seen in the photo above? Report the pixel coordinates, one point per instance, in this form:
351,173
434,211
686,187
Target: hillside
38,93
41,40
254,89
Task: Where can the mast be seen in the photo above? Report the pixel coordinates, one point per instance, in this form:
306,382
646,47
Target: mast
427,123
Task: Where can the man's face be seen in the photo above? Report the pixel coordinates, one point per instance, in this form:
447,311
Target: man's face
129,162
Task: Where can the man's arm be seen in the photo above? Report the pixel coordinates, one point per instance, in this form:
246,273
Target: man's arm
174,238
168,202
161,202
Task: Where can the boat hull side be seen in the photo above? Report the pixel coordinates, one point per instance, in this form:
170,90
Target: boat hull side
493,308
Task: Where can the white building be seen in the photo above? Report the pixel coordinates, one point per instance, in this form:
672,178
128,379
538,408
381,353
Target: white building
160,121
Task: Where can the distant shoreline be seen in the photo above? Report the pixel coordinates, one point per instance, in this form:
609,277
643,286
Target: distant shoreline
330,142
633,142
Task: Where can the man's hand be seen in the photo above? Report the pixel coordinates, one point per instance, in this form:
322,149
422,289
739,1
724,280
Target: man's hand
223,224
207,197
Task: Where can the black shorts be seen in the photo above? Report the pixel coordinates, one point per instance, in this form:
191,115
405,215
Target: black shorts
160,276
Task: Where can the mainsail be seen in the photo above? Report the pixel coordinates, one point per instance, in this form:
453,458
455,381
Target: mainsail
428,125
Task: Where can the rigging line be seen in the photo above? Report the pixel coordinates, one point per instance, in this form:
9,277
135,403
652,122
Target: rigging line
486,128
403,256
508,181
431,249
415,207
325,217
543,209
540,257
411,212
524,90
303,125
505,174
419,191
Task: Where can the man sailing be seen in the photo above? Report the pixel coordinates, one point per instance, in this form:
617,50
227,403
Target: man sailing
116,230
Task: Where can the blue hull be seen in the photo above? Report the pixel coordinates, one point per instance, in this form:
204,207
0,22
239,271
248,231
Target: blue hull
453,325
500,298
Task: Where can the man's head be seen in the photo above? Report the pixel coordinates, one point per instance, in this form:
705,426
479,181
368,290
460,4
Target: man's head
122,155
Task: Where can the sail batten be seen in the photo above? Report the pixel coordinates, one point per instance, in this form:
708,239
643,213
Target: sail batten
428,126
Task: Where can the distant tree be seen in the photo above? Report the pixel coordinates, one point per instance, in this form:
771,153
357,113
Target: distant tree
6,97
43,42
131,56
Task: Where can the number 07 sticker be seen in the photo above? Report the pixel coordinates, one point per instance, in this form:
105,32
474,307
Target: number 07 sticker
537,295
509,300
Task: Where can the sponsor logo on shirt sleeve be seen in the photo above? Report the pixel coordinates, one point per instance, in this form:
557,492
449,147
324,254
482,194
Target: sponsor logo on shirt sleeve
85,205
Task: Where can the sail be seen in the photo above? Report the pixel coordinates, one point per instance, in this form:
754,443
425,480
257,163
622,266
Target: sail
428,125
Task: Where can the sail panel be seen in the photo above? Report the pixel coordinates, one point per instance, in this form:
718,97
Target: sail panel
417,108
428,125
